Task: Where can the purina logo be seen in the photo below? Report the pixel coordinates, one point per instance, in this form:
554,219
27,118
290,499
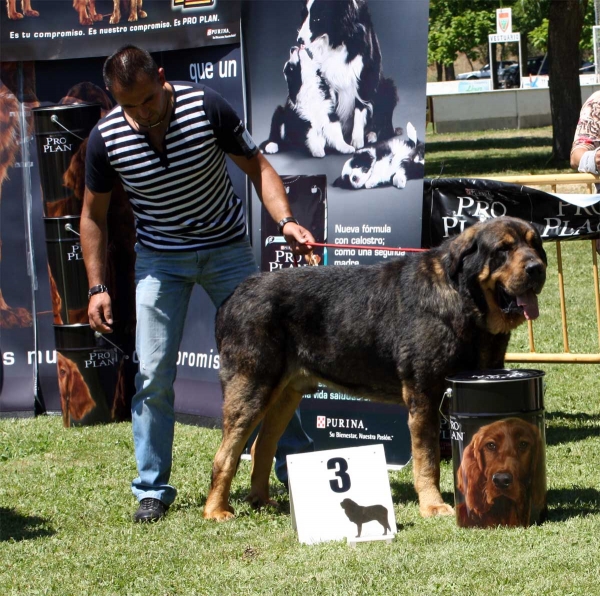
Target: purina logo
193,3
324,422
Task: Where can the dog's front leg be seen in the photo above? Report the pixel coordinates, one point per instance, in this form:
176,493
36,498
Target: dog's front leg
27,10
315,142
358,130
116,14
423,422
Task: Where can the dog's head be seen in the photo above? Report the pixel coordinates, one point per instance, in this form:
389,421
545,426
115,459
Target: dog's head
504,460
357,170
292,71
501,264
327,24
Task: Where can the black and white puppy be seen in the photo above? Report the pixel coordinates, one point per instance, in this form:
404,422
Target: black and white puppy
308,118
339,36
391,162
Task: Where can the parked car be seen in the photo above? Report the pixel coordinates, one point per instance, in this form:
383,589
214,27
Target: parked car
538,65
484,73
587,68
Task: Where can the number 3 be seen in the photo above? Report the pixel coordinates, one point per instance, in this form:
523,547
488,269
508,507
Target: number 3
342,483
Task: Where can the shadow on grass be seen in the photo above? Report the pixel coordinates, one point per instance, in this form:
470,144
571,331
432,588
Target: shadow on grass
565,503
576,427
456,166
17,527
404,492
485,144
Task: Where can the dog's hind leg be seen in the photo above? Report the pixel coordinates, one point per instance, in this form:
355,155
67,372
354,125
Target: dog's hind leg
274,423
242,410
424,425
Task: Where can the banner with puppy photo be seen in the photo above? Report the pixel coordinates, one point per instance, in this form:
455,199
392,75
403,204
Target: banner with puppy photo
340,95
50,30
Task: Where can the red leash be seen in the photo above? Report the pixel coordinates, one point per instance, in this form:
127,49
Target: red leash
378,247
375,246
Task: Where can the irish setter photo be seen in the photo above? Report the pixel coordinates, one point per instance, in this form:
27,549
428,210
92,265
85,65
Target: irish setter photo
502,475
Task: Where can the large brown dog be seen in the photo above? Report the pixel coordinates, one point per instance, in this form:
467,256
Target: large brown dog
390,332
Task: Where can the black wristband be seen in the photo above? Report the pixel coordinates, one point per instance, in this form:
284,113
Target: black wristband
99,289
284,221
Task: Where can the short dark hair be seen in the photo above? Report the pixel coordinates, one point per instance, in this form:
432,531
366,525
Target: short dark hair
125,66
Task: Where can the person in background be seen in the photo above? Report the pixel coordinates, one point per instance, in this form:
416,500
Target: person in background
585,156
167,142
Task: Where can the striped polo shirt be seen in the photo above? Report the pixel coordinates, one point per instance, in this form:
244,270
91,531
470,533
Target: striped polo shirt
182,199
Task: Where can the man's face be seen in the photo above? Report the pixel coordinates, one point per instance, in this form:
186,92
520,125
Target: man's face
145,102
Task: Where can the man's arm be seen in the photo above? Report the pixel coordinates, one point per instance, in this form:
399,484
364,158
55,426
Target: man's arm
590,162
93,244
271,192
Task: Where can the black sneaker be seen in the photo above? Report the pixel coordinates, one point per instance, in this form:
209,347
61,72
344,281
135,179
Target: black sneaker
150,510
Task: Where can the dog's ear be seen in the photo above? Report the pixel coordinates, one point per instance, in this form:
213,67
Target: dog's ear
343,182
538,474
470,477
460,247
81,401
411,133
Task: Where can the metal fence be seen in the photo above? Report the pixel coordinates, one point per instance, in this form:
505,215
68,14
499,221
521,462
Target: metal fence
554,181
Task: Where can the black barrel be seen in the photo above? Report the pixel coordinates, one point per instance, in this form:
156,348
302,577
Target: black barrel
59,132
498,447
68,278
89,375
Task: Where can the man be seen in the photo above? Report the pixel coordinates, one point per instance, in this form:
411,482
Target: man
167,143
585,154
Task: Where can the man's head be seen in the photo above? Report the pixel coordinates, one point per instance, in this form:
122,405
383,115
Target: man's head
137,84
126,66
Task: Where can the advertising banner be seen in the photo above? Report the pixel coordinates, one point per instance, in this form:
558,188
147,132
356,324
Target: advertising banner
17,354
49,83
340,94
450,205
62,29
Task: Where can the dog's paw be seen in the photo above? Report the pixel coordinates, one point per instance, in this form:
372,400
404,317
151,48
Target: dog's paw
219,514
271,148
358,142
371,138
345,148
317,152
399,179
142,14
31,13
435,510
259,501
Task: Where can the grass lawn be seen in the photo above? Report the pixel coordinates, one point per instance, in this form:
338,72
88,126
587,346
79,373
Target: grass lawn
65,504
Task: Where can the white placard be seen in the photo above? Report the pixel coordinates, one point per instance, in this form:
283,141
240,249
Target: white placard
503,20
340,493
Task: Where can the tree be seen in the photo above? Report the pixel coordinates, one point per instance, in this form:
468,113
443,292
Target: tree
565,23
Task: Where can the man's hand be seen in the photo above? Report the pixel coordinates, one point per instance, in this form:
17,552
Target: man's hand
296,236
100,312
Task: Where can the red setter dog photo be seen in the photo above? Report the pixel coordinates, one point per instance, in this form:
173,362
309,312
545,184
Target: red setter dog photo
502,476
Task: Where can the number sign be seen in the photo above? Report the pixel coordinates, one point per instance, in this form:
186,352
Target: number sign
341,494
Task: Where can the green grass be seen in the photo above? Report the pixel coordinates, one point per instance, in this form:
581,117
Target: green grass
491,153
65,504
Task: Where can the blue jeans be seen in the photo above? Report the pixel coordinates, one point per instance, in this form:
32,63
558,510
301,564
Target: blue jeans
164,283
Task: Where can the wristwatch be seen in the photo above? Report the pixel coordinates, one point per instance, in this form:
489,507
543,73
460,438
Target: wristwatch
284,221
99,289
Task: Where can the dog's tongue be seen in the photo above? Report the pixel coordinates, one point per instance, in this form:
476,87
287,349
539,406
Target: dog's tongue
529,303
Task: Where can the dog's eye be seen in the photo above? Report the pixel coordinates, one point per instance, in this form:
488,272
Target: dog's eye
491,446
523,445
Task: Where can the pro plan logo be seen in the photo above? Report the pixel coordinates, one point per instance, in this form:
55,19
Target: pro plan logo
194,3
320,421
